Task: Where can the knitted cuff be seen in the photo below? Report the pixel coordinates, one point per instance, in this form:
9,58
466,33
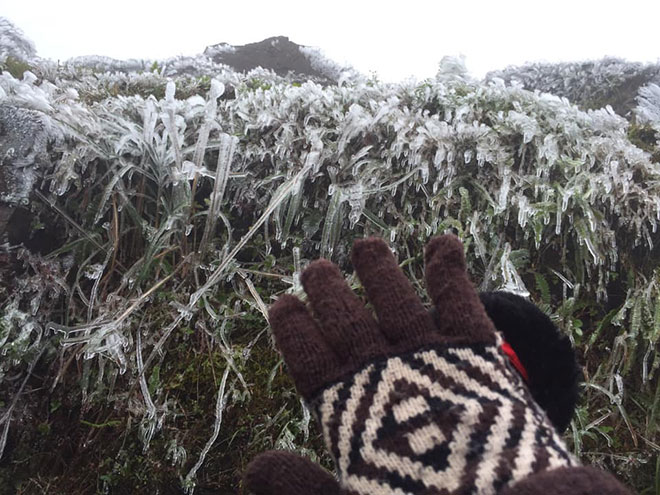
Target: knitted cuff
445,419
285,473
569,481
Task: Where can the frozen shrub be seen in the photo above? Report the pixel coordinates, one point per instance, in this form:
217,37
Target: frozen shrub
648,110
13,43
589,84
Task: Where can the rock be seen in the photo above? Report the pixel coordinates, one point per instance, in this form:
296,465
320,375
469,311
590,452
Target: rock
23,156
278,54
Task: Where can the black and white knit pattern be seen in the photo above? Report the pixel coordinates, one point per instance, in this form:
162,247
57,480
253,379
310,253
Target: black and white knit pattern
438,421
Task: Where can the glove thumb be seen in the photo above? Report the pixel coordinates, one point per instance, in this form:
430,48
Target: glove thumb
283,473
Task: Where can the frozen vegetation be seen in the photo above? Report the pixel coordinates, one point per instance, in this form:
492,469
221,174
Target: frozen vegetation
182,197
589,84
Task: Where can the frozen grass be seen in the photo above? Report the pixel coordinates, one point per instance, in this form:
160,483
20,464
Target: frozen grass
184,205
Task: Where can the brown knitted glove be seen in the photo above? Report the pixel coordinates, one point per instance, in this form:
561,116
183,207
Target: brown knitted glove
409,406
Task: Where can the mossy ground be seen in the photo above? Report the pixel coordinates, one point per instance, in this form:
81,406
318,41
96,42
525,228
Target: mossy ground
60,448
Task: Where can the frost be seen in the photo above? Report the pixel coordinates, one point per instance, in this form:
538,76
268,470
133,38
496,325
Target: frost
452,69
583,83
524,124
648,110
23,149
220,49
108,64
13,42
326,66
94,272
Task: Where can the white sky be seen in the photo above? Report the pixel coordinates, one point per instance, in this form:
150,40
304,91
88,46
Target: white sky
395,39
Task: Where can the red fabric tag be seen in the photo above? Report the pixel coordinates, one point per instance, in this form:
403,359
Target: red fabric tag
513,357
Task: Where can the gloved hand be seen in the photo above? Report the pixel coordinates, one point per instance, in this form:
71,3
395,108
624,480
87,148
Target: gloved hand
406,404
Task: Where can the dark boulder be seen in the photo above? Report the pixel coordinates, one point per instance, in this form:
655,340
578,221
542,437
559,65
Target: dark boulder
23,158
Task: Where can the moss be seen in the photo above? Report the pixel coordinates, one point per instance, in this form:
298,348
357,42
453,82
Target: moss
99,450
645,138
15,67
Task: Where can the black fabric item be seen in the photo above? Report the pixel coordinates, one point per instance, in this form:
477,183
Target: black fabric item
546,354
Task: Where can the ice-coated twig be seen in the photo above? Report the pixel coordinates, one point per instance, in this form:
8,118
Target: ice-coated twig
150,415
6,418
217,89
261,306
98,271
225,155
189,481
169,119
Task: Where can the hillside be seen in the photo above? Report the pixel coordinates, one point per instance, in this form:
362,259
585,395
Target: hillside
151,211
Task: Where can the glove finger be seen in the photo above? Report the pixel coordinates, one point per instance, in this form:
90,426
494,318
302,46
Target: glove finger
348,327
309,358
284,473
401,314
462,316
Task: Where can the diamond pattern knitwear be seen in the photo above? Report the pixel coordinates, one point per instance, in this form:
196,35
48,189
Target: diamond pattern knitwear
407,404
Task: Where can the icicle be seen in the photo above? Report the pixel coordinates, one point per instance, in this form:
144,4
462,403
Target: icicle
440,155
523,211
148,424
149,120
504,190
564,200
424,170
592,250
474,232
177,453
225,156
332,221
297,269
511,281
